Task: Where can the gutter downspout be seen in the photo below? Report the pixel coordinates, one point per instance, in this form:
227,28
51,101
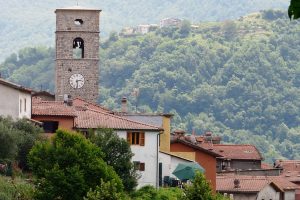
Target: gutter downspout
157,160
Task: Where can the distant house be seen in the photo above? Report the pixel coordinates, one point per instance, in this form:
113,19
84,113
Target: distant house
15,100
290,170
256,187
44,95
167,22
189,149
143,29
82,116
236,156
146,28
128,32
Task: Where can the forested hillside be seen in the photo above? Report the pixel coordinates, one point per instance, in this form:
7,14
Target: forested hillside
239,79
30,22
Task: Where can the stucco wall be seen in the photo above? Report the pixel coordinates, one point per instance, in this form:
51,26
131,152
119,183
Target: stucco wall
244,196
159,121
10,102
147,154
290,195
269,192
169,164
65,123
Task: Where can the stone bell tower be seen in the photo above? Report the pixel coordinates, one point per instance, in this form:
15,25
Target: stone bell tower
77,53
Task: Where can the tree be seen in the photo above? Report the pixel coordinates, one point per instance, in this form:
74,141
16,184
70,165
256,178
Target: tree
294,9
106,191
68,166
185,28
16,140
200,190
117,153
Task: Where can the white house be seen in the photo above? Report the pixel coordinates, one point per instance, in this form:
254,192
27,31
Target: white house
168,163
81,115
15,100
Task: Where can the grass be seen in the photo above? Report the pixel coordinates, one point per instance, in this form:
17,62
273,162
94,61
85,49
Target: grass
18,188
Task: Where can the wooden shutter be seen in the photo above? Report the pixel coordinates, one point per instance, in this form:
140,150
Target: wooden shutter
142,166
142,138
129,137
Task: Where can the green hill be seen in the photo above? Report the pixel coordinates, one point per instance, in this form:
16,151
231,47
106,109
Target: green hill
238,79
30,22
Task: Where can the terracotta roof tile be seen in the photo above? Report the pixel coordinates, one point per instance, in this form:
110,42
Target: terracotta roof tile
97,119
81,102
252,183
194,146
235,151
288,165
15,86
51,108
87,115
266,166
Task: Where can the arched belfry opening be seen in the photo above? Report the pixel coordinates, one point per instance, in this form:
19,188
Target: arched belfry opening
78,48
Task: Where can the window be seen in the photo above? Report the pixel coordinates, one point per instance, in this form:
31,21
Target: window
136,138
50,126
78,48
20,105
139,166
25,104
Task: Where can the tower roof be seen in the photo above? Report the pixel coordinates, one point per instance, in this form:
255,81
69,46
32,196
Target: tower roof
78,8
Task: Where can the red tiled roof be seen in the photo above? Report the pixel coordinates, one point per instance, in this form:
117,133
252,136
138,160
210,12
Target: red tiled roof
288,165
87,115
15,86
88,118
51,108
266,166
290,169
80,102
252,184
194,146
235,151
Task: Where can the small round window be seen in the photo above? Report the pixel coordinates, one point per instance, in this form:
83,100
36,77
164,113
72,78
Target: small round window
78,22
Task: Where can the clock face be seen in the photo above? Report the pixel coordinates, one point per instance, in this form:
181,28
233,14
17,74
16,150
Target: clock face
77,81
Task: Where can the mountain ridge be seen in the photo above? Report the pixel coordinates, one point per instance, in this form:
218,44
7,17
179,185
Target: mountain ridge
30,23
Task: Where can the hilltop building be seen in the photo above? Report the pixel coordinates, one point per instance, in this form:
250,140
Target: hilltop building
167,22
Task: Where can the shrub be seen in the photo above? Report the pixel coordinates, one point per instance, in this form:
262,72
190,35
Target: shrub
68,167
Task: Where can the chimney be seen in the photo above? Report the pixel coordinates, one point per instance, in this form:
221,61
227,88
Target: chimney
124,105
236,183
68,100
179,133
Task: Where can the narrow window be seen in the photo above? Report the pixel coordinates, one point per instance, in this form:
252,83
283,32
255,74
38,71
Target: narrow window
78,48
20,105
142,166
25,104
